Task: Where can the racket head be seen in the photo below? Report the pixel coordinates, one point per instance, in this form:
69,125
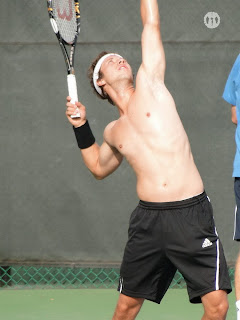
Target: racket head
65,19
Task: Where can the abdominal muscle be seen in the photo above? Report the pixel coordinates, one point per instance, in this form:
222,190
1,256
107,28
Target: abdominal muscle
171,184
164,176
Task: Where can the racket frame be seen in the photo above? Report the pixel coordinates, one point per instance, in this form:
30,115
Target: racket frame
68,58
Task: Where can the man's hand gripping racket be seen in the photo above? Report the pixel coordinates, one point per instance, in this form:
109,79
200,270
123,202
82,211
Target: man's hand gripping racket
65,20
71,113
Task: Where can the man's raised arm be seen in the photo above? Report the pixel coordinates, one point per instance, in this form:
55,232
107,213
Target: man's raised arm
153,56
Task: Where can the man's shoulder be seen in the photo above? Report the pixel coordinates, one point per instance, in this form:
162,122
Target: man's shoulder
110,126
108,132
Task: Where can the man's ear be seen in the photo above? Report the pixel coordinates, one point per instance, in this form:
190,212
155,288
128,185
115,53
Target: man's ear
101,82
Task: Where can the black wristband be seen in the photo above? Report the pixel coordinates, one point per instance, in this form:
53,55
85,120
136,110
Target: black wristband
84,136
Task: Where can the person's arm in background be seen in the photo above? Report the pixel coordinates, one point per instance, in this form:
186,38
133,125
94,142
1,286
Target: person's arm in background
234,115
229,94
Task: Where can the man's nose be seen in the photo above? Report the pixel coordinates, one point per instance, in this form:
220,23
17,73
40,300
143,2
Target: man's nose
121,61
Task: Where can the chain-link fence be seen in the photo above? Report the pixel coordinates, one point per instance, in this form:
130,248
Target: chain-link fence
39,277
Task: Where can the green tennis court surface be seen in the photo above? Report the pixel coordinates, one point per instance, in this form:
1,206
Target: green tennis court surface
94,304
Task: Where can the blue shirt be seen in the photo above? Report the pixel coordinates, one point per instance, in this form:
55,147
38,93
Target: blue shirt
231,94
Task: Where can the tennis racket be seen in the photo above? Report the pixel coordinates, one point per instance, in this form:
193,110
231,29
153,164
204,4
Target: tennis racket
65,20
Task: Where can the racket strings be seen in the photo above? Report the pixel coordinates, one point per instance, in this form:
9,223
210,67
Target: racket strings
65,17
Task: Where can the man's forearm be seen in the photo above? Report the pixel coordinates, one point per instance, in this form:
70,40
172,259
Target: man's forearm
90,157
150,12
234,115
89,148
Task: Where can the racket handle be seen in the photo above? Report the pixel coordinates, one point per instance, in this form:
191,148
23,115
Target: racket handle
72,91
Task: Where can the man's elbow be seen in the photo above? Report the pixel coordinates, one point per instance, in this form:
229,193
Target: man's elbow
98,176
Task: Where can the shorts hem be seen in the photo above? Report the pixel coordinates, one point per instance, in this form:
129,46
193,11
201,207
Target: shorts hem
196,298
139,295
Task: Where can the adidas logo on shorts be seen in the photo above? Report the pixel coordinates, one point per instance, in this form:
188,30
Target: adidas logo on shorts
206,243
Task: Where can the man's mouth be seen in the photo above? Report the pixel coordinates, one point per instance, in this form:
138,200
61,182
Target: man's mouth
122,67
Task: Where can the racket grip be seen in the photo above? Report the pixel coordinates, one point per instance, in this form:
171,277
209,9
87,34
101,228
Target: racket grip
72,91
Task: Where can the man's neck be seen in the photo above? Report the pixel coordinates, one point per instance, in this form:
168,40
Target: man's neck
122,98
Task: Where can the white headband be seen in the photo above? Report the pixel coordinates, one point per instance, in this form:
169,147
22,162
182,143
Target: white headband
97,69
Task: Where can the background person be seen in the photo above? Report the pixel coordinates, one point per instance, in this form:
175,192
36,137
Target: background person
231,94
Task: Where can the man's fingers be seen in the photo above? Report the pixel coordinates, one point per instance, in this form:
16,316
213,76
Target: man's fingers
69,105
70,100
75,109
71,110
79,105
76,103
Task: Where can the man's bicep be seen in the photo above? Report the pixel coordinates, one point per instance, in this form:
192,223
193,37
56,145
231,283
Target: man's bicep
153,56
109,159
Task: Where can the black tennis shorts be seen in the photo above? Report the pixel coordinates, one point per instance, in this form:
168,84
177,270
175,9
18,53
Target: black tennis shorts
164,237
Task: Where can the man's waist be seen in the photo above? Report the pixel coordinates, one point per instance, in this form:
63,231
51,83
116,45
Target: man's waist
173,204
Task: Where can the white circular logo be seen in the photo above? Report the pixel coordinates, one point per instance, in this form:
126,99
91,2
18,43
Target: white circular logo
212,20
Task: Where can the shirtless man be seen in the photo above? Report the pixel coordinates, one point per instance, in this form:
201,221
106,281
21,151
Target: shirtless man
172,227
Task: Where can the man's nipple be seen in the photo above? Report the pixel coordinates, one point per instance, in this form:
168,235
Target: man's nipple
148,114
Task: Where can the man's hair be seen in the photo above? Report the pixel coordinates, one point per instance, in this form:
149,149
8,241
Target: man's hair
90,76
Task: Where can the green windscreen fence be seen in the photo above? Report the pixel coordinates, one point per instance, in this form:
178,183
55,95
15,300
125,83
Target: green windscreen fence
52,210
